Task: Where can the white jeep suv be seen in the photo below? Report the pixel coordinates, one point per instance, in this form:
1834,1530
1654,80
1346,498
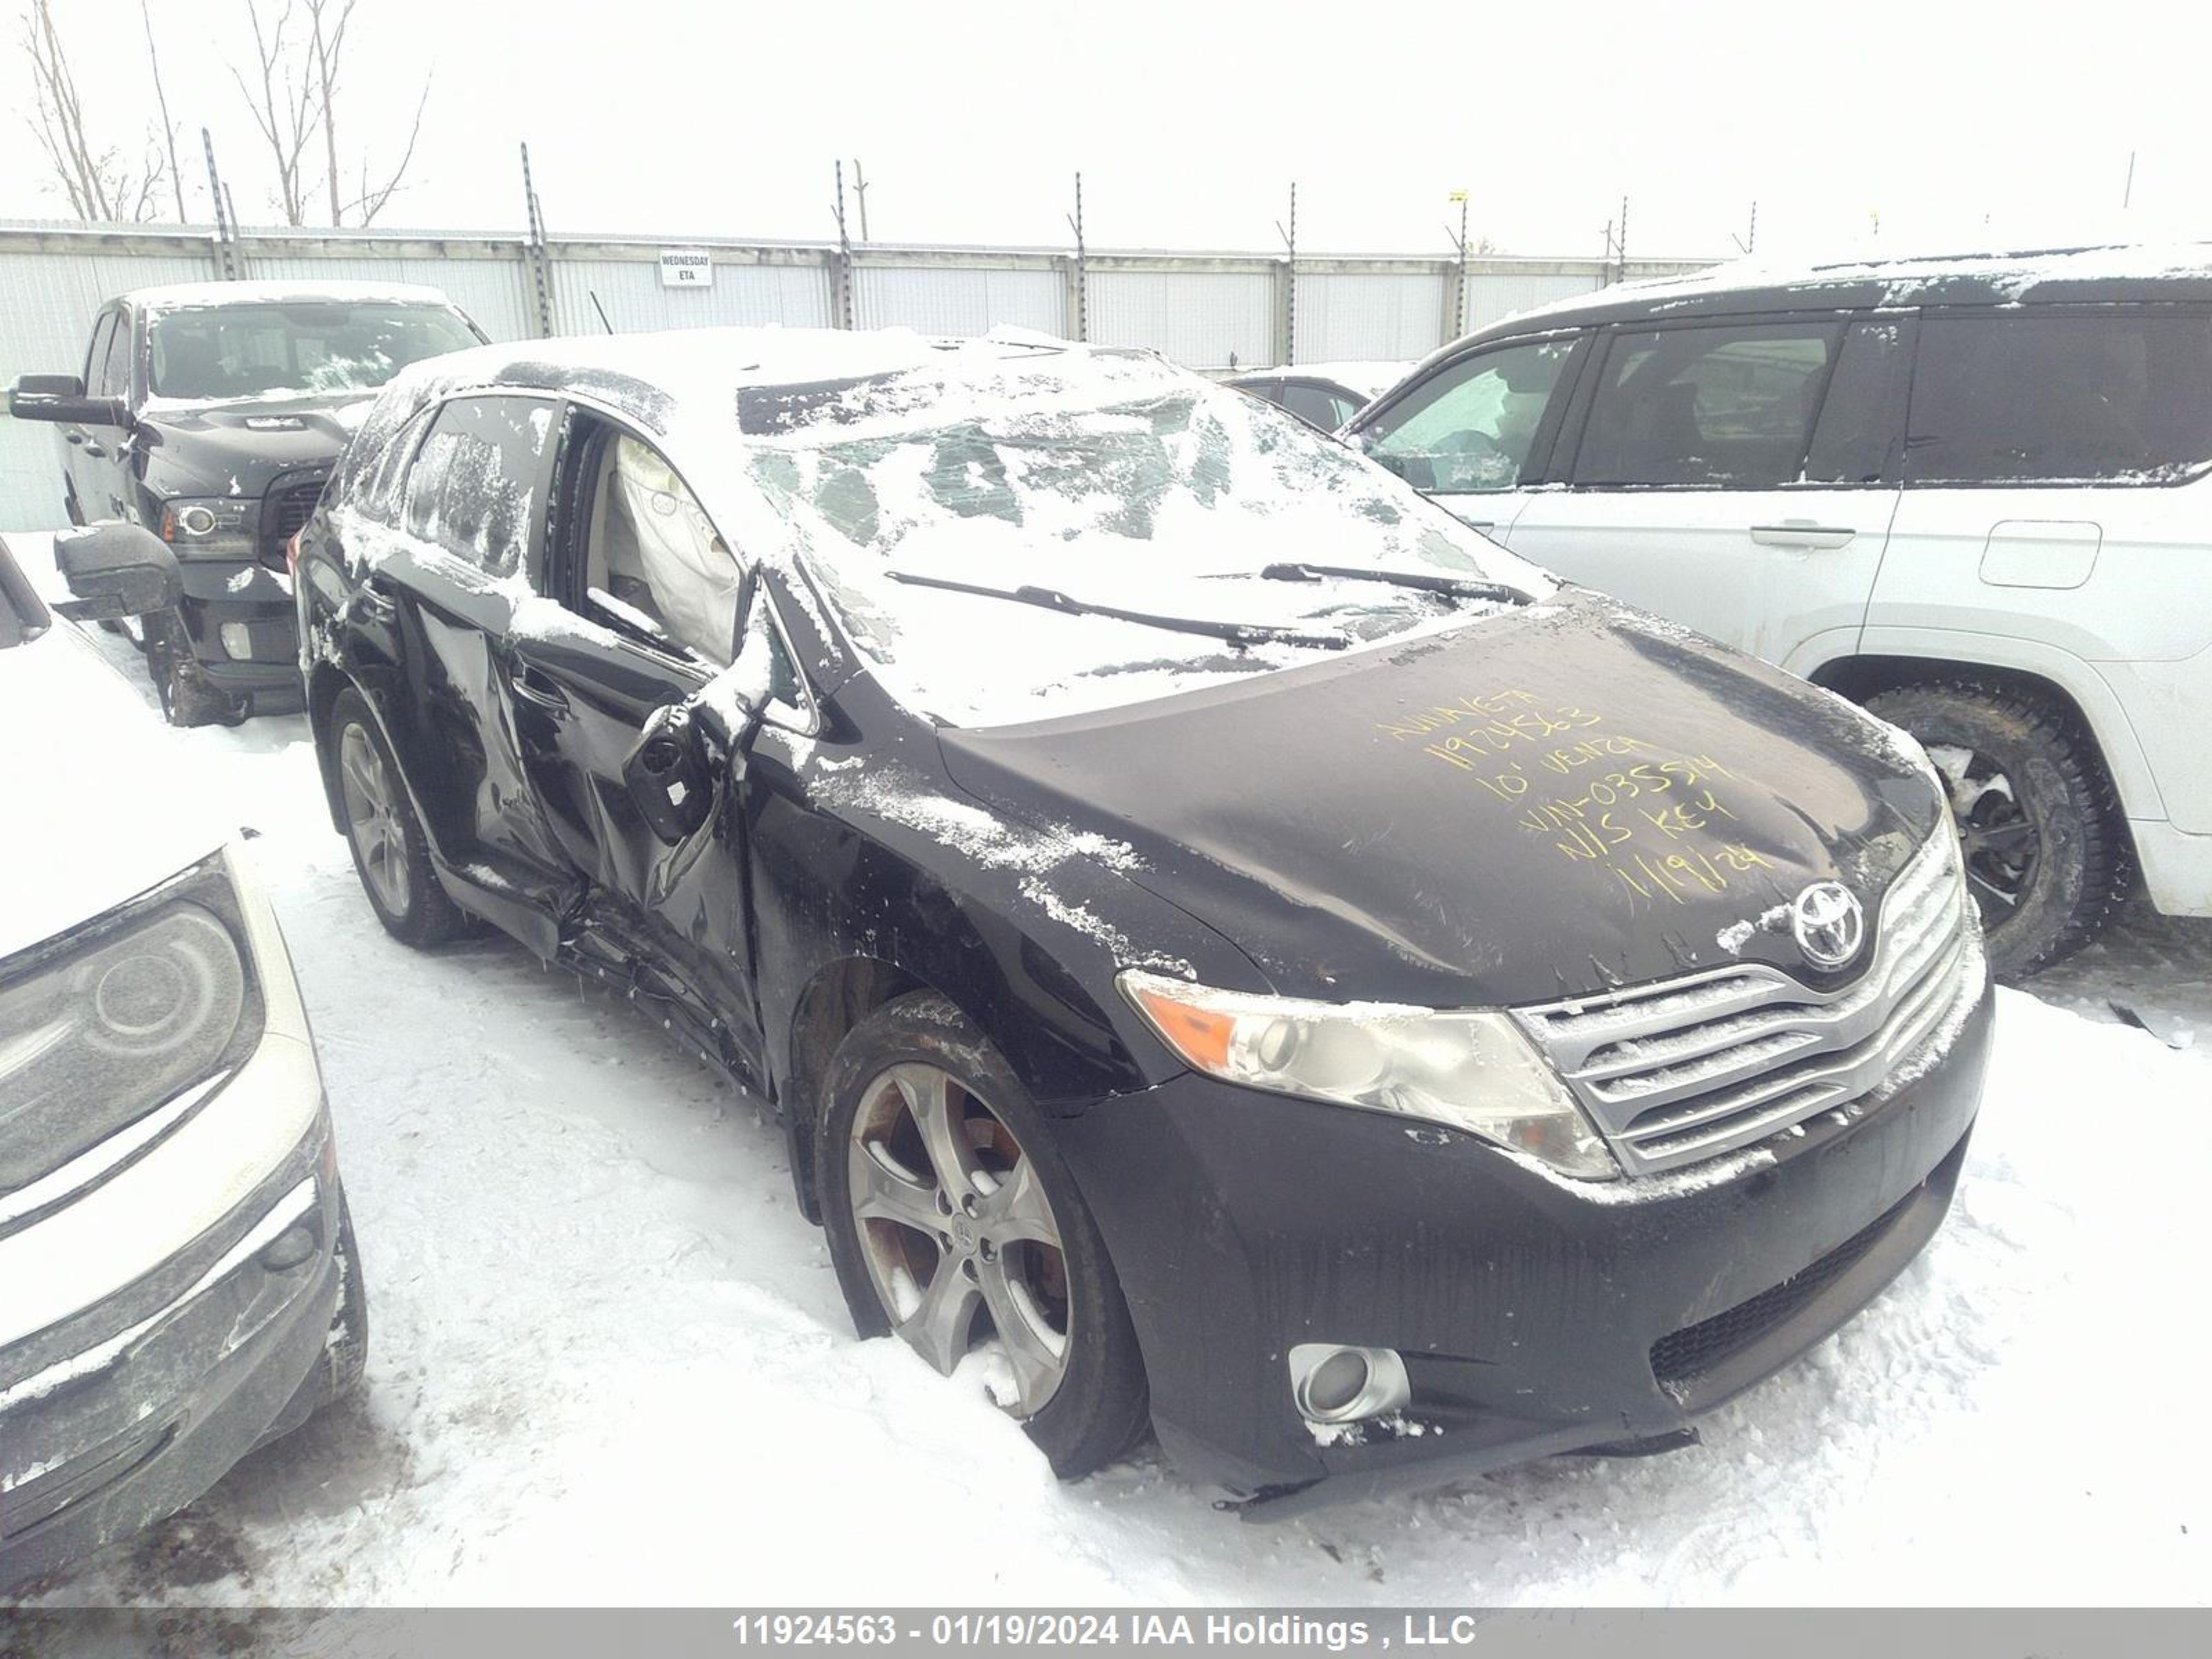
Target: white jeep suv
1970,493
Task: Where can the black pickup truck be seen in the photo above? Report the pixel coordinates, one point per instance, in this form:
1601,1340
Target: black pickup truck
211,413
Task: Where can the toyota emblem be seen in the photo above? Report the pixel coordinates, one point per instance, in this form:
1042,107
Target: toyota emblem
1828,923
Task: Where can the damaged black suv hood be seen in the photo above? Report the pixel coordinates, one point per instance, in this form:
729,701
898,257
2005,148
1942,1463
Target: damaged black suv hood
1536,806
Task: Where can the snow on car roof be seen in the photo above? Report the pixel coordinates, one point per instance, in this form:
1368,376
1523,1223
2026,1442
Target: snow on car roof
184,296
703,367
1983,277
1009,460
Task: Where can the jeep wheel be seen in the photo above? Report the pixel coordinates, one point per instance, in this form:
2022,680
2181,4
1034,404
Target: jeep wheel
2040,831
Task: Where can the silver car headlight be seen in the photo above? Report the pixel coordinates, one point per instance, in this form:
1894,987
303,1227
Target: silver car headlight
1469,1070
92,1035
210,527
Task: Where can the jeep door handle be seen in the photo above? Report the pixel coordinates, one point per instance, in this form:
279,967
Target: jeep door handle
531,686
92,448
1801,533
72,437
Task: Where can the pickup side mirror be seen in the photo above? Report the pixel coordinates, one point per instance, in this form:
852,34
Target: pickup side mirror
117,570
61,397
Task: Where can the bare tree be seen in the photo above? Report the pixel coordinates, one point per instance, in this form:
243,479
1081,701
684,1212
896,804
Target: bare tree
100,186
284,107
299,60
161,98
328,20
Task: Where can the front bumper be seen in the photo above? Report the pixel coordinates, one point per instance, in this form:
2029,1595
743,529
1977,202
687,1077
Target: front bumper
1528,1309
168,1309
244,593
136,1406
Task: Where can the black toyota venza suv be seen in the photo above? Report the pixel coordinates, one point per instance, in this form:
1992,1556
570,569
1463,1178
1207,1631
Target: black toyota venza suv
1227,943
210,413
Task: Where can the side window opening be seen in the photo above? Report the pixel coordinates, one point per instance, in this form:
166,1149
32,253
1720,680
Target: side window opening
474,487
95,355
1862,425
114,378
1475,427
378,490
2122,395
640,553
1729,408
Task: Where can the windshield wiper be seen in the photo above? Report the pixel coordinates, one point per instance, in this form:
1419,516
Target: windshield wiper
1050,599
1459,587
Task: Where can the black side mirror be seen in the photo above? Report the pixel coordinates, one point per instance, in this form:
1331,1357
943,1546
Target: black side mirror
687,749
666,776
117,570
61,397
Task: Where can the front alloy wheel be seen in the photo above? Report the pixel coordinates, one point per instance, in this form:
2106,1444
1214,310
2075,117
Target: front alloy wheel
955,1221
960,1240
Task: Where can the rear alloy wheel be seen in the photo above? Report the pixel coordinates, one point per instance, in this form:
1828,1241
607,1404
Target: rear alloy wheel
390,852
2039,830
955,1224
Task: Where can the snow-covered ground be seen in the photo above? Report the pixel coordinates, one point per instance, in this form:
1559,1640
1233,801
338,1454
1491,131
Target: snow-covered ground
609,1362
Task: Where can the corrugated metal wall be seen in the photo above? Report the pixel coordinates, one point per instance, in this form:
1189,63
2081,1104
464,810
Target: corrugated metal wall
1206,311
1205,318
47,307
494,292
953,300
1383,316
1492,296
630,291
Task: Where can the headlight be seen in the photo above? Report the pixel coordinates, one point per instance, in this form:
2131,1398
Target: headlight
92,1039
216,528
1466,1070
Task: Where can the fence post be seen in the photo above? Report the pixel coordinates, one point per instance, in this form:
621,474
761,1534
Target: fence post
841,268
1079,272
225,230
534,258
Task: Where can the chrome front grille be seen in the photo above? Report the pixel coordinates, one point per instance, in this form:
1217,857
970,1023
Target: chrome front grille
1685,1069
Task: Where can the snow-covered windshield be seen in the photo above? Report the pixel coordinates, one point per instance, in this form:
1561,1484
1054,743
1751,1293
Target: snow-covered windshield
1095,482
212,353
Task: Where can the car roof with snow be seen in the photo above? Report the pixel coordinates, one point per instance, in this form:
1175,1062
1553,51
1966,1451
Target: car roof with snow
2180,271
184,296
651,376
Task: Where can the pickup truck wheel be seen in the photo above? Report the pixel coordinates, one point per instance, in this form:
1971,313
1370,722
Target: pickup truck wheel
390,852
954,1223
2039,828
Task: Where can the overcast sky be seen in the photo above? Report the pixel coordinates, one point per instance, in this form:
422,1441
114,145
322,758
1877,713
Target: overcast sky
1955,123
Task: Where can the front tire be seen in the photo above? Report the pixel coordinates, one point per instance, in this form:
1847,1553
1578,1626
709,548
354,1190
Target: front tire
2044,844
955,1223
390,854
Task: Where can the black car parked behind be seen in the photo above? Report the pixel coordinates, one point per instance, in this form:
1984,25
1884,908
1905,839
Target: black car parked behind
1253,955
211,413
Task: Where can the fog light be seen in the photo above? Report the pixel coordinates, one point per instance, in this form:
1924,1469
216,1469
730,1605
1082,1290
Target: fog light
237,638
1337,1383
